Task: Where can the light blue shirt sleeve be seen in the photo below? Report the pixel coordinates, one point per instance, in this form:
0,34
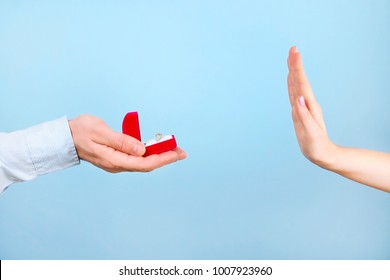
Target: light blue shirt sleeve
38,150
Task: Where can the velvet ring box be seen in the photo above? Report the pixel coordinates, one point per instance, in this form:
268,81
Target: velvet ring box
160,144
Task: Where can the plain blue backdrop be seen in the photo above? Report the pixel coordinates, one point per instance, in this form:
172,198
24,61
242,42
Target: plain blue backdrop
214,74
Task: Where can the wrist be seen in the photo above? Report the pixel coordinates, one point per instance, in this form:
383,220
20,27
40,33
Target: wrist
74,132
329,157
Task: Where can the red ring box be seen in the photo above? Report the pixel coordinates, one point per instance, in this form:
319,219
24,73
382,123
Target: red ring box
130,126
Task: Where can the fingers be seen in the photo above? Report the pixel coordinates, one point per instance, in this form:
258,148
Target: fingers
293,50
292,93
149,163
298,84
116,161
180,153
294,60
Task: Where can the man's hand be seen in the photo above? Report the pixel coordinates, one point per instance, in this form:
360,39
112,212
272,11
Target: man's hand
112,151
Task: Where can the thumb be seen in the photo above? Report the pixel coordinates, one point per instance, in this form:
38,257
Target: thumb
305,117
121,142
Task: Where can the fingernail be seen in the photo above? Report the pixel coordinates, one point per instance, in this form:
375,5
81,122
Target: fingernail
295,49
138,149
301,101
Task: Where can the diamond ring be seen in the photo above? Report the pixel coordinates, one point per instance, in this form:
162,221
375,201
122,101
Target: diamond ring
158,136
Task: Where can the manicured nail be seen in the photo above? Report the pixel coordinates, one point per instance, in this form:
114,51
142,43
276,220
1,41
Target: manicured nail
301,101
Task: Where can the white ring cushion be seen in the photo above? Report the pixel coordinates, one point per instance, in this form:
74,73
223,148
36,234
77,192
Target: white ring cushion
154,141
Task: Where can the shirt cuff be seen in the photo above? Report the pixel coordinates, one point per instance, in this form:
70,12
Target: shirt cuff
51,146
42,149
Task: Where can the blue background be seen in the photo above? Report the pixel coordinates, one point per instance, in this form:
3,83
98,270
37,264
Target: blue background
214,74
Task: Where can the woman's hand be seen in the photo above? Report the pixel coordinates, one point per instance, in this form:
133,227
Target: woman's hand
368,167
309,124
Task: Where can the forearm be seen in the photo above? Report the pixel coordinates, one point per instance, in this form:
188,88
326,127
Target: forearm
368,167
